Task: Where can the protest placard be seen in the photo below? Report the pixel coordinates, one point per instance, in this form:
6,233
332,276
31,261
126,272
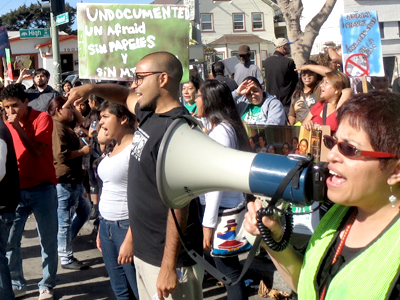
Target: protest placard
361,44
112,38
4,42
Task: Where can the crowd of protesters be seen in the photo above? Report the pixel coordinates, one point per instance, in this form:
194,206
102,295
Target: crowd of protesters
89,159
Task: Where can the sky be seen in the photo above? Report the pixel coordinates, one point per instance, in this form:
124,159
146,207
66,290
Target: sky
7,5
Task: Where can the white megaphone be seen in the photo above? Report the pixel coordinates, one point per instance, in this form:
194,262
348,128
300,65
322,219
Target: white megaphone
189,164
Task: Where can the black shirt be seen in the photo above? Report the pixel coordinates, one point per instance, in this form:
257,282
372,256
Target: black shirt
280,76
147,212
9,185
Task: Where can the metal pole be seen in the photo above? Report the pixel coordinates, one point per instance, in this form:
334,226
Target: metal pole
56,53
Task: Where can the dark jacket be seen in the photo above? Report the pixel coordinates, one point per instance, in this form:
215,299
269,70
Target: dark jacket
9,185
40,100
280,76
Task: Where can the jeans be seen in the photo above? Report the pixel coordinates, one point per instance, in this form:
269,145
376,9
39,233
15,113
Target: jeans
230,266
112,235
6,292
42,201
73,211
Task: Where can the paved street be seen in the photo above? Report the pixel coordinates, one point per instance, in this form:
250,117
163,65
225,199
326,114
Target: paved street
94,283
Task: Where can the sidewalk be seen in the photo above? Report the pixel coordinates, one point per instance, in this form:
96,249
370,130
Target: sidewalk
93,284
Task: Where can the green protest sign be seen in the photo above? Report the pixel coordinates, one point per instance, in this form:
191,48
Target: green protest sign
112,38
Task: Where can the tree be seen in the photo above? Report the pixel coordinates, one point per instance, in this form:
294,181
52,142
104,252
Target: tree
27,17
303,41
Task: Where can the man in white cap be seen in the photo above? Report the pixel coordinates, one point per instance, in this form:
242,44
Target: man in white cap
280,75
246,68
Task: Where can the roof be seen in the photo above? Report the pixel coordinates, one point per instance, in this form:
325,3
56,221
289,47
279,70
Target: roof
238,39
272,3
62,38
164,2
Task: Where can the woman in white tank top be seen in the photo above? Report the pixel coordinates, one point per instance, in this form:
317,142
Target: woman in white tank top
114,236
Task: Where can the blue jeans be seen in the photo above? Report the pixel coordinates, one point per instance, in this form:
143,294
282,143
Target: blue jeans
42,201
6,220
112,235
73,211
230,267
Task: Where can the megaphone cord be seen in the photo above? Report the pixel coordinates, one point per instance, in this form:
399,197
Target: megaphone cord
266,232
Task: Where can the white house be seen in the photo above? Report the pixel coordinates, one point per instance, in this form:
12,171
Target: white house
41,54
226,25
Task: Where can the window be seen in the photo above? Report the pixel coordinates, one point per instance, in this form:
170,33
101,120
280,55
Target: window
382,29
257,21
206,22
219,56
398,26
252,55
238,22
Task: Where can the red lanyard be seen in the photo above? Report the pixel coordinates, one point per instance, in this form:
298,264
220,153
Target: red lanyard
341,245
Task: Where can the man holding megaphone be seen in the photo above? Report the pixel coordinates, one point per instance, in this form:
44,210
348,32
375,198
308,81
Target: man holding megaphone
163,270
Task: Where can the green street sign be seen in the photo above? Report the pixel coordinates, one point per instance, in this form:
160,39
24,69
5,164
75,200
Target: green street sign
62,19
34,33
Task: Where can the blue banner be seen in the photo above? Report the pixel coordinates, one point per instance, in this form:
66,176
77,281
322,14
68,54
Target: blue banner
4,42
361,44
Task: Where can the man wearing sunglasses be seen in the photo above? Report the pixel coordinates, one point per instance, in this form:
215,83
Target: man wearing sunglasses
159,263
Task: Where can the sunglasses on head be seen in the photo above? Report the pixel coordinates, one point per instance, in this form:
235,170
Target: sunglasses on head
349,150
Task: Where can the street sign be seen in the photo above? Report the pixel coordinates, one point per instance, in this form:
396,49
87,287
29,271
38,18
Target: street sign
34,33
62,19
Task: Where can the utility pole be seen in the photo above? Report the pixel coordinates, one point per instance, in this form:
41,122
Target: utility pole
55,7
56,52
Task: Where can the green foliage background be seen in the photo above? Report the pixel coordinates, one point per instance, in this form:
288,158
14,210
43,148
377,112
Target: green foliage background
28,17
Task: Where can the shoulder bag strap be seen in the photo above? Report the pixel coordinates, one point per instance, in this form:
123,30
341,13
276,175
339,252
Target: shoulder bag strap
211,269
324,113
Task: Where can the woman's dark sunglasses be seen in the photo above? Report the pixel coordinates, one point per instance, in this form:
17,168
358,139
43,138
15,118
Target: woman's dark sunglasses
349,150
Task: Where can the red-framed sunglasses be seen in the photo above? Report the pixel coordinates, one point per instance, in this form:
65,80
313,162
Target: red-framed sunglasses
349,150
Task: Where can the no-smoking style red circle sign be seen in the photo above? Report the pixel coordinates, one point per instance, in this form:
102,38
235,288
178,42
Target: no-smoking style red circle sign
357,65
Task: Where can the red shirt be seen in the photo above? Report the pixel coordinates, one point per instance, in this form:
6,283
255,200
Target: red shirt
34,170
317,119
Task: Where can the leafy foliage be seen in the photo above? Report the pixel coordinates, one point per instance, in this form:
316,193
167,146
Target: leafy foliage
27,17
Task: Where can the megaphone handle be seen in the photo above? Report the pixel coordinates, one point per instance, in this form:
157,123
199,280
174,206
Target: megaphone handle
266,233
210,268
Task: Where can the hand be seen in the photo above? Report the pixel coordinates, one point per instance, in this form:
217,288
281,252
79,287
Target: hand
86,150
78,94
250,221
167,281
308,125
245,87
13,120
125,255
98,242
208,234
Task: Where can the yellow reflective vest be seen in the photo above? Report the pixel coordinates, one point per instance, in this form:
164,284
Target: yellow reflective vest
372,274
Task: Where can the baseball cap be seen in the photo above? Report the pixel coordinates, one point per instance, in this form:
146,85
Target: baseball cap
281,42
244,50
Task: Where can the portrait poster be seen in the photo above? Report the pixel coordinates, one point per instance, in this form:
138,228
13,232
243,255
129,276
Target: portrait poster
112,38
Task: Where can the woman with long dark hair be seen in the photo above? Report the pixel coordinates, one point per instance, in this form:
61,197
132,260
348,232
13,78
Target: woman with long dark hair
305,95
216,105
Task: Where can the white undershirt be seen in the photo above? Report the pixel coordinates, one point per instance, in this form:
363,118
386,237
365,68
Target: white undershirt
226,136
113,171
